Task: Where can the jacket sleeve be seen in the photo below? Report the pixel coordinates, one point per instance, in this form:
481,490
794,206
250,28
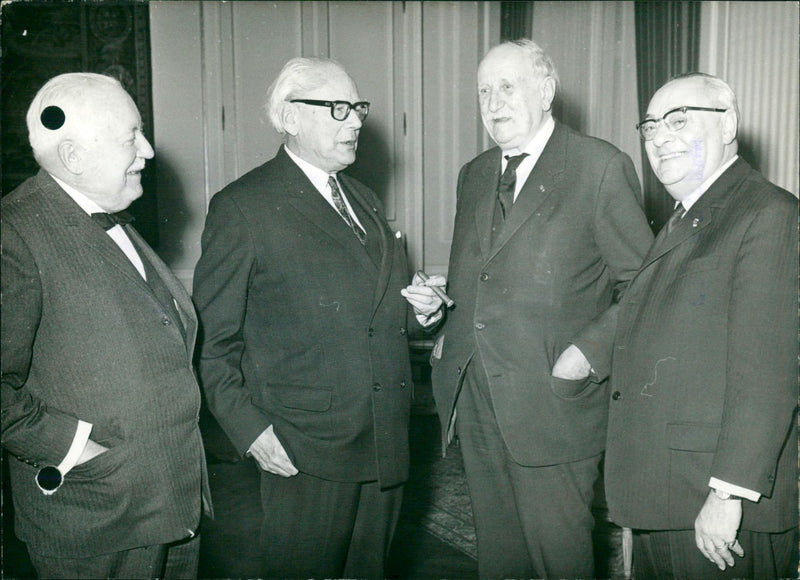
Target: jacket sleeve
623,238
221,284
761,376
31,430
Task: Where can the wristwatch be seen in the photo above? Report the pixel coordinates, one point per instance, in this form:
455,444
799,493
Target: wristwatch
724,494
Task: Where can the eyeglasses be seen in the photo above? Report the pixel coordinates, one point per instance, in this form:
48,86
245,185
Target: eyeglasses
674,120
340,110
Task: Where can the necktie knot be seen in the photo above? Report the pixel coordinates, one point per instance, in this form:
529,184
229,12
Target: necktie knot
508,181
109,220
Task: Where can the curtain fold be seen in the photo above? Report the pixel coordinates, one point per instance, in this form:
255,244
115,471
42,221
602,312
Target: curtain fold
667,44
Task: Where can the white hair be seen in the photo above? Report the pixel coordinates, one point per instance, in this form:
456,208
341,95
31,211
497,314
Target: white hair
299,76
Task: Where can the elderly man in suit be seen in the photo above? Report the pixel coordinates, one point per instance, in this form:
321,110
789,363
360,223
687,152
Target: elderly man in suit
305,357
702,440
99,398
548,231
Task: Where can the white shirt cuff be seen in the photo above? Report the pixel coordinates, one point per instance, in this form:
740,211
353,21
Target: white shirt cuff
734,489
78,445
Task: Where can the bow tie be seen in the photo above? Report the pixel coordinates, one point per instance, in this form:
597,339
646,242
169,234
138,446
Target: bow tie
109,220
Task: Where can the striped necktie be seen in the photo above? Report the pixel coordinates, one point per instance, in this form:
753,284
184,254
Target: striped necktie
338,202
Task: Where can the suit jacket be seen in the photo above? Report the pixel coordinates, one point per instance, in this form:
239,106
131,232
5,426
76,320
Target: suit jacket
705,365
575,237
302,329
84,337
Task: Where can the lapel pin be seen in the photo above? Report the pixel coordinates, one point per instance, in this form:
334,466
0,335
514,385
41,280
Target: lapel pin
541,188
695,222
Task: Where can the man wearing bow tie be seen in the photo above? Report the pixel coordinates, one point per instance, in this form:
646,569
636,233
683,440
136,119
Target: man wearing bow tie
305,357
99,399
548,231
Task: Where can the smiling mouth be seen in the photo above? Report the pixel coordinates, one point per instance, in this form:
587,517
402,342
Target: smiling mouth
668,156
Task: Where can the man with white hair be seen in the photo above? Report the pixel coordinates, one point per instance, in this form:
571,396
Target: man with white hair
701,457
99,398
548,231
305,357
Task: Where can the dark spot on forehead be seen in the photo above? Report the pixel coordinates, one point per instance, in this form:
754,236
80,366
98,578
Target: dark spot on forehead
53,117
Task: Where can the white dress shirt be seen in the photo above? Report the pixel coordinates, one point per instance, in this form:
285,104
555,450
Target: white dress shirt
534,150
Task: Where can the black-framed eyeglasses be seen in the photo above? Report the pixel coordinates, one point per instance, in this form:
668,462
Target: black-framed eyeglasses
674,120
340,110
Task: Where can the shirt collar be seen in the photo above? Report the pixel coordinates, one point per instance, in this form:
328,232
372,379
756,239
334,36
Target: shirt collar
691,199
536,145
316,176
84,202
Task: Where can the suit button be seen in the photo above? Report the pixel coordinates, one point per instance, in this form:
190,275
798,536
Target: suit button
484,276
480,325
403,332
371,332
616,395
165,321
458,371
376,387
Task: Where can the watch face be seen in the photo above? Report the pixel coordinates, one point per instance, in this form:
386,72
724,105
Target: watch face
49,478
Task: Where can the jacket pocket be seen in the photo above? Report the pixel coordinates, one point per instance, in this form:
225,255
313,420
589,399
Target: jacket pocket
568,389
302,397
699,265
688,436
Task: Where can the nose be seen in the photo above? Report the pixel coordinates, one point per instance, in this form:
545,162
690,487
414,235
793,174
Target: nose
143,147
494,101
353,120
663,134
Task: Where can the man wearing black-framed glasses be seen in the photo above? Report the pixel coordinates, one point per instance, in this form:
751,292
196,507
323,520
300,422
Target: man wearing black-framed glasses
305,359
701,457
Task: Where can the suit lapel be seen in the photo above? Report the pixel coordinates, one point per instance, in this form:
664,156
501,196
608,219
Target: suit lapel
385,239
542,182
484,190
100,244
701,214
305,198
183,301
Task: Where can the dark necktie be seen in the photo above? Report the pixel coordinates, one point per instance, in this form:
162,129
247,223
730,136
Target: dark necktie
109,220
336,195
505,189
675,218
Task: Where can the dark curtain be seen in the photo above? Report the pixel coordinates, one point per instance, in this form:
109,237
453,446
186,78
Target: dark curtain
516,19
667,45
41,40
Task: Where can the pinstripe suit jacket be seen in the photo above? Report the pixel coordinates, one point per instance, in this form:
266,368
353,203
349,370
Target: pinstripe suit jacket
84,337
704,373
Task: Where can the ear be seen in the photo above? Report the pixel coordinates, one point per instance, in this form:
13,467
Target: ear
289,119
547,91
730,127
70,157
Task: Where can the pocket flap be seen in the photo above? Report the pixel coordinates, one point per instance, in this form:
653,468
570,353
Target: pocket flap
303,397
701,437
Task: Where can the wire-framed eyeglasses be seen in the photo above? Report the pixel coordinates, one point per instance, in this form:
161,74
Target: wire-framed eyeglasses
340,110
674,120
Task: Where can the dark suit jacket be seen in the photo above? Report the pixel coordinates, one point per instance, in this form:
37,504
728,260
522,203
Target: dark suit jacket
705,364
302,329
576,235
84,337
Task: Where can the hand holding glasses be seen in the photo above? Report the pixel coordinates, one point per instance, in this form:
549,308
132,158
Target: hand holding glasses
340,110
